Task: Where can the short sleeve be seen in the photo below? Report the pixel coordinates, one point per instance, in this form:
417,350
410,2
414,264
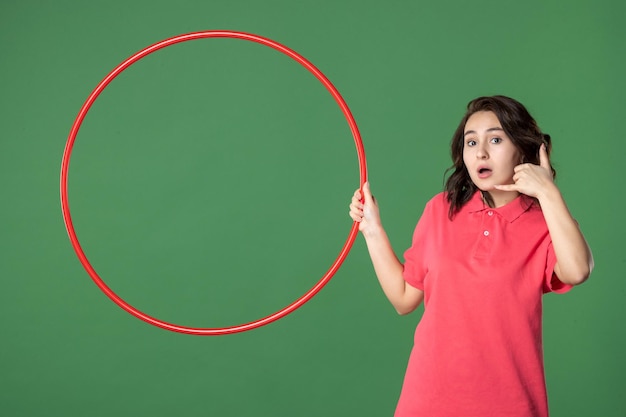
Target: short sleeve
415,257
551,281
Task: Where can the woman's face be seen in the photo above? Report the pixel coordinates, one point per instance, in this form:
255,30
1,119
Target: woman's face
489,154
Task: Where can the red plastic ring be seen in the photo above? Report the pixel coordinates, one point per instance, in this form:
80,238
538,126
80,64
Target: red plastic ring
72,137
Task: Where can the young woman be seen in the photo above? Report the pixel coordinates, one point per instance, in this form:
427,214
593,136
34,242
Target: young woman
483,253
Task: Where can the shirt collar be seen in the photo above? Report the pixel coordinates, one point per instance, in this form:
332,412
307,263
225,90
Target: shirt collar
510,211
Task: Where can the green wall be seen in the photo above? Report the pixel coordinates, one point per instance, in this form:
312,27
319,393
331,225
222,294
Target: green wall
210,183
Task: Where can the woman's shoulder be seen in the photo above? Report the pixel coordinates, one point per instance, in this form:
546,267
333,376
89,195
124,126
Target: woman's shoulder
438,203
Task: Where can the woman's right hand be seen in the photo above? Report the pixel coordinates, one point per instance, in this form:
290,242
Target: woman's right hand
365,212
389,269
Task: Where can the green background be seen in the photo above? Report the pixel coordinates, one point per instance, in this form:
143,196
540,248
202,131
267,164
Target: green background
210,182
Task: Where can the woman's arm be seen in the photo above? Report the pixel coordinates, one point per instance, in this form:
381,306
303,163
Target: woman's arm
388,268
574,261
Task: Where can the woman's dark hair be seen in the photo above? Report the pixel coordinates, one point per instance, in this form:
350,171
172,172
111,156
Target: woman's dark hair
519,126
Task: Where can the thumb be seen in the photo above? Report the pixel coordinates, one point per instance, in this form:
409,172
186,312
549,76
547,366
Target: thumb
506,187
367,194
544,160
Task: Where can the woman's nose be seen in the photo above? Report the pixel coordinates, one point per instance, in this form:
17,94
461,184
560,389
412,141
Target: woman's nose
481,152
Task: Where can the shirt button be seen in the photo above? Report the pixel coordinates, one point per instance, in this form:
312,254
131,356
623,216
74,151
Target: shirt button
486,233
490,213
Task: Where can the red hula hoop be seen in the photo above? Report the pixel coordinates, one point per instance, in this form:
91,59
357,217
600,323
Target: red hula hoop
72,137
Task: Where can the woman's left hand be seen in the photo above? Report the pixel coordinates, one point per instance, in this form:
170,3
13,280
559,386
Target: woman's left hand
531,179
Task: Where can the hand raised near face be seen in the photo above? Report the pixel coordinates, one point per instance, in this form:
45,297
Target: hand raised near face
531,179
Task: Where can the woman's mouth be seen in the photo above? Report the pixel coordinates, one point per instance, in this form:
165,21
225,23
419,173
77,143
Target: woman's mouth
484,173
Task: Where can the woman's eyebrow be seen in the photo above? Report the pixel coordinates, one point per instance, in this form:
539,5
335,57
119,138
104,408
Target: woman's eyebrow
491,129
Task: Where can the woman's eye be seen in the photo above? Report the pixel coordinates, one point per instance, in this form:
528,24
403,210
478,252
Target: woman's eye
496,140
471,142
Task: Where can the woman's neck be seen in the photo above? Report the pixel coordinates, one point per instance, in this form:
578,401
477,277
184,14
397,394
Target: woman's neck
499,198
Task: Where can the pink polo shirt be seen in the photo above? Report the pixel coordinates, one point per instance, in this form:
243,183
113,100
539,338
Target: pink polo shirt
478,346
